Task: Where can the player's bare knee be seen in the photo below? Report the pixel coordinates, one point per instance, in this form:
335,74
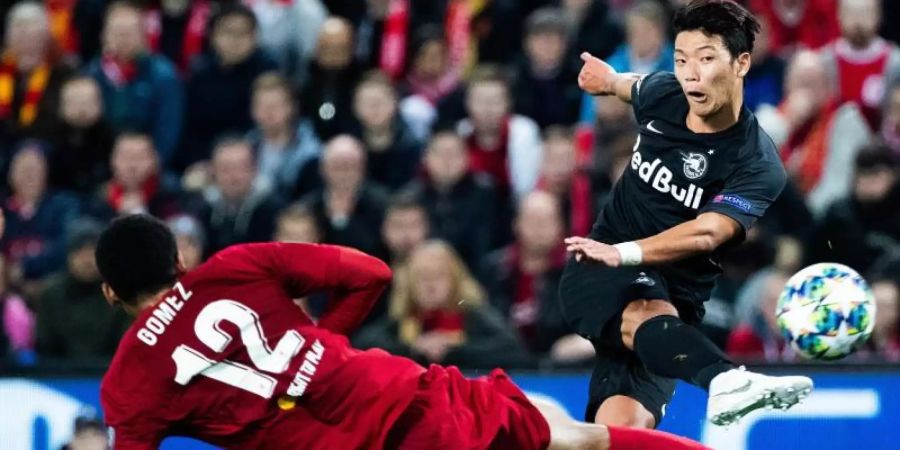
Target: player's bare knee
623,411
640,311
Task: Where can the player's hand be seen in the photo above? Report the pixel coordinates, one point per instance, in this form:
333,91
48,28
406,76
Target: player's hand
596,76
590,250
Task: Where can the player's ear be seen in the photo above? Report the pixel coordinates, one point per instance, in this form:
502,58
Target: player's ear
179,265
743,64
110,295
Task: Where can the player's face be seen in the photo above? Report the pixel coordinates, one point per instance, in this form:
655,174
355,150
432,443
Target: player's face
709,75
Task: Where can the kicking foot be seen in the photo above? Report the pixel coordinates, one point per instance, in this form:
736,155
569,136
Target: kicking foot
735,393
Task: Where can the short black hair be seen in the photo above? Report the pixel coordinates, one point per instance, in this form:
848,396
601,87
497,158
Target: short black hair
137,255
228,9
732,22
405,200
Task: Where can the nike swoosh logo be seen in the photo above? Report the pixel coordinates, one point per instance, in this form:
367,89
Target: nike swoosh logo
650,127
744,388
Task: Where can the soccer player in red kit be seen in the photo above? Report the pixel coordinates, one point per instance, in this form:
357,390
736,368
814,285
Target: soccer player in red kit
222,354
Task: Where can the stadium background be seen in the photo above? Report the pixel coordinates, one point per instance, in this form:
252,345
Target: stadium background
379,124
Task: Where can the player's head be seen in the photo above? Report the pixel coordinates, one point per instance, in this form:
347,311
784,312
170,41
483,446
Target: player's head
713,41
137,256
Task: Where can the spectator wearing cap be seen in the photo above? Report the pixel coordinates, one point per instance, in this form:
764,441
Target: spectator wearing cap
74,322
141,91
31,74
287,148
393,152
36,216
864,226
545,85
190,239
220,82
349,208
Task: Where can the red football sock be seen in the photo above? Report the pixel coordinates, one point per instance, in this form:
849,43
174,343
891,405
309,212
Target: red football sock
621,438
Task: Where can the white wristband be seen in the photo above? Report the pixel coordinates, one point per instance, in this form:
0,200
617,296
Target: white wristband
630,252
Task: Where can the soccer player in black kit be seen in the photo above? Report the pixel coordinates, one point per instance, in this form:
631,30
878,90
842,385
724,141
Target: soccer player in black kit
701,173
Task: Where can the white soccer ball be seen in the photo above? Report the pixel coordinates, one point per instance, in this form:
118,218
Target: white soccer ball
826,311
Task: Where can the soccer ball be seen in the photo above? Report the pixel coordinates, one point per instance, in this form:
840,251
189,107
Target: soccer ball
826,311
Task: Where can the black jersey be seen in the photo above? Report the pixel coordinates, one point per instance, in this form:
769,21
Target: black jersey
676,174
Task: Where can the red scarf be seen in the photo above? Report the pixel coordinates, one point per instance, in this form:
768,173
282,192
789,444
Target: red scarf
491,161
393,43
59,13
116,192
458,30
806,149
36,85
195,30
117,71
442,320
581,214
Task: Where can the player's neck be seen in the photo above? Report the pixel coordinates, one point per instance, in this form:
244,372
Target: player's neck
149,301
722,120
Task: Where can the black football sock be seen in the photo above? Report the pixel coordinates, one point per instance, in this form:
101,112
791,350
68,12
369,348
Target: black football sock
674,349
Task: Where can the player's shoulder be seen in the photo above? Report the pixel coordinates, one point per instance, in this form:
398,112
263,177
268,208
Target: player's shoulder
759,155
658,95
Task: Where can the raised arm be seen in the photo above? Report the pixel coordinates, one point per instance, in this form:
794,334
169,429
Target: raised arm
599,78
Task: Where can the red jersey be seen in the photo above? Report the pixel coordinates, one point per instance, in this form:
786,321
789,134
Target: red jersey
226,357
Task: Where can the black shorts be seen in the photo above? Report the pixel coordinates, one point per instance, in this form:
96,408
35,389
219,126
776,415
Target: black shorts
592,299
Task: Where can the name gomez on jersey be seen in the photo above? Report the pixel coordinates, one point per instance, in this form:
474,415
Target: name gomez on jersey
675,174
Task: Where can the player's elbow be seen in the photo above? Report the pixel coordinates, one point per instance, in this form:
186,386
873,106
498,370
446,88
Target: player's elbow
381,272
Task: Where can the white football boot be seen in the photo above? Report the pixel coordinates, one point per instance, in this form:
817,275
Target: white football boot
735,393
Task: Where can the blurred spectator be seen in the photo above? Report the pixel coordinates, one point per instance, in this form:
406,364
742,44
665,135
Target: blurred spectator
430,80
609,166
287,147
349,209
523,279
296,223
439,314
862,62
405,227
36,217
817,135
798,23
288,31
560,176
140,90
758,337
190,239
79,161
220,82
460,204
505,146
178,29
137,184
865,225
235,212
31,74
595,30
890,125
333,76
885,340
496,27
765,81
90,434
16,323
546,86
74,321
393,152
646,49
87,22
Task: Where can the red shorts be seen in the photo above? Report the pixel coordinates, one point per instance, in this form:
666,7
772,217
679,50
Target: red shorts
453,412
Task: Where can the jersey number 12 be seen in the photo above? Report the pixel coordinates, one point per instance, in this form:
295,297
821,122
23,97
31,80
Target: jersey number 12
190,362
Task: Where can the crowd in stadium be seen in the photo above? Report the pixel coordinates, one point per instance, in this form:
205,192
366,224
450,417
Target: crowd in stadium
447,137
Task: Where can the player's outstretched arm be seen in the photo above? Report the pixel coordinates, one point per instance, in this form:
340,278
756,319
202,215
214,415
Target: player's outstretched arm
701,235
363,278
599,78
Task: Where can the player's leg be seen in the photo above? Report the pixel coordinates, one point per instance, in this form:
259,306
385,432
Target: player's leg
569,434
669,347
